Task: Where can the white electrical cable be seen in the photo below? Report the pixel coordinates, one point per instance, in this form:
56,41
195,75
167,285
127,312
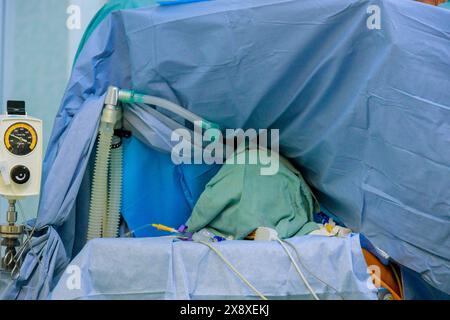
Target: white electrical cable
310,272
298,269
234,269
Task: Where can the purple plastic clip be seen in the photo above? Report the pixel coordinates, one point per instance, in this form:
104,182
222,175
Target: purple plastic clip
183,230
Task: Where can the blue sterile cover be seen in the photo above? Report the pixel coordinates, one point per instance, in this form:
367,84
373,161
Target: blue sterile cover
360,91
160,268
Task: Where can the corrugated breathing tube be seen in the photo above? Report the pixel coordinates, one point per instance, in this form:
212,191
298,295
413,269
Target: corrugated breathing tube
112,219
104,210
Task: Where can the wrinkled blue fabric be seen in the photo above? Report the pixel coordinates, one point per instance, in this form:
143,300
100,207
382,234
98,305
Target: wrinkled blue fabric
158,191
414,288
176,2
126,269
41,268
364,113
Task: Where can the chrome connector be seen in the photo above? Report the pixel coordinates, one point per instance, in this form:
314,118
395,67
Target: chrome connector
112,112
112,96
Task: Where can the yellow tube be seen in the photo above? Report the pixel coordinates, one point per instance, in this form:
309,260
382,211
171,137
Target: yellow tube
164,228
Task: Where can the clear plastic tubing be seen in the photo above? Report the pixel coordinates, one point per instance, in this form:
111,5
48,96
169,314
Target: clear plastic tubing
132,97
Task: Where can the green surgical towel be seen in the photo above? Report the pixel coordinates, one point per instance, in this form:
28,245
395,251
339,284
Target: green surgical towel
238,199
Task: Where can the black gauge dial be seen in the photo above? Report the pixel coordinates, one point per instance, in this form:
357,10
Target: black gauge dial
20,139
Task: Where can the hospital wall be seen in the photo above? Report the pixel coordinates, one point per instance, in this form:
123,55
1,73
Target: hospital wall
38,41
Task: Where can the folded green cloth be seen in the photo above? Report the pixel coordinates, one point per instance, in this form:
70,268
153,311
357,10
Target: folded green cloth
238,199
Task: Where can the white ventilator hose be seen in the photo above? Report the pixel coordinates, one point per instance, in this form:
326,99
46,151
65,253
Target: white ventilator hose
98,205
127,96
168,105
112,218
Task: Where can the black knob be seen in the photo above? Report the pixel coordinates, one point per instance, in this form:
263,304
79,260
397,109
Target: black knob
20,174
